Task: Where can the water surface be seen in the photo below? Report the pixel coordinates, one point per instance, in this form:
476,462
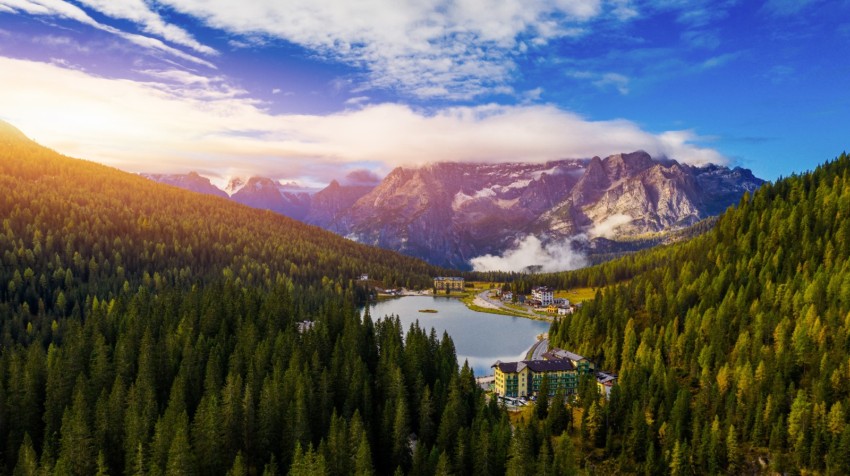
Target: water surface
479,337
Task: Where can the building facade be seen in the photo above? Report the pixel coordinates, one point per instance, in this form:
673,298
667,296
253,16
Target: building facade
444,282
561,367
544,294
523,379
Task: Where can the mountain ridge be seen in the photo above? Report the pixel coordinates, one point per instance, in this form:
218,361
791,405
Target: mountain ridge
449,212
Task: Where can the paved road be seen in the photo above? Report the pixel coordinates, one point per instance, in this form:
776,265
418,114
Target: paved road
485,295
540,348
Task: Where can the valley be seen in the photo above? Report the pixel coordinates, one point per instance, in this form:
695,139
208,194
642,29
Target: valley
133,319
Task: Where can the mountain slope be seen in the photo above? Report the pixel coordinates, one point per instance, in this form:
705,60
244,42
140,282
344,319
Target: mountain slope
448,213
732,348
327,205
267,194
171,229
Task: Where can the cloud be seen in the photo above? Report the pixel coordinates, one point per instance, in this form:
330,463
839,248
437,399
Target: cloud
65,10
454,49
138,12
357,100
786,7
719,60
607,228
179,121
604,80
531,254
361,177
62,42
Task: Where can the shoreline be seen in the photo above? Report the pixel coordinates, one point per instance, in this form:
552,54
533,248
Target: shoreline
474,302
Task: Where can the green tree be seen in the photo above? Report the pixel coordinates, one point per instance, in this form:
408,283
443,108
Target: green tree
541,406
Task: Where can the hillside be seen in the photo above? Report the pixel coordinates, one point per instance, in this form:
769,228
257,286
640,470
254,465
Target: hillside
112,220
732,349
149,330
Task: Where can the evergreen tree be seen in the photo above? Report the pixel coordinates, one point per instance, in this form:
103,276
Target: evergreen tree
541,406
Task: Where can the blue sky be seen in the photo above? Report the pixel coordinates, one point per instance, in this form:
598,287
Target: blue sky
310,90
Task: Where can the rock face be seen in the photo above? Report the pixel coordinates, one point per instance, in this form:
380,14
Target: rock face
448,213
268,194
328,205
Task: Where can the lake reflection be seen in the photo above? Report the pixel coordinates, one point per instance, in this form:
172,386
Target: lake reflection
479,337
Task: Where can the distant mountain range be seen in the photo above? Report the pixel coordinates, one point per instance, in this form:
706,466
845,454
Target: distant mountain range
449,213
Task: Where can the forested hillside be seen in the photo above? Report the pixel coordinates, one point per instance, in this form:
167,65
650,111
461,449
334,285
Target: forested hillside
733,349
148,330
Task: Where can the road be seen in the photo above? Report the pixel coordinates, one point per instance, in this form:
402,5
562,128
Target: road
485,295
537,350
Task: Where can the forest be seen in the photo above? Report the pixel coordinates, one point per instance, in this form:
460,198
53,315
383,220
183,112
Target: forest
733,349
148,330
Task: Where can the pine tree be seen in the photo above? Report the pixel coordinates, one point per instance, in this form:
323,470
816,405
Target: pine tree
564,462
27,459
541,407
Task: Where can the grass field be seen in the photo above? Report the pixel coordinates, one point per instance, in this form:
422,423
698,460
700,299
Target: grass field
577,295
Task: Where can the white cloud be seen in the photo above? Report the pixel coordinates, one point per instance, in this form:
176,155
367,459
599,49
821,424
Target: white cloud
62,42
59,8
138,12
604,80
179,122
607,228
454,49
357,100
618,81
531,254
786,7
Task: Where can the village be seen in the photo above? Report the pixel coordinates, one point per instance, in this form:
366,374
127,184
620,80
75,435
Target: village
517,383
543,303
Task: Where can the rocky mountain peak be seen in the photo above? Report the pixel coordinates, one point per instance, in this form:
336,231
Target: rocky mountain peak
619,166
448,212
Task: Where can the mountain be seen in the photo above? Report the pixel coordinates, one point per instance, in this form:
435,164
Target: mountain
330,203
267,194
322,207
448,213
234,185
191,181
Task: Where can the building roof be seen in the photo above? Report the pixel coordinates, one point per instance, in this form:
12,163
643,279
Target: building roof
509,367
535,366
605,378
543,289
448,278
550,365
561,354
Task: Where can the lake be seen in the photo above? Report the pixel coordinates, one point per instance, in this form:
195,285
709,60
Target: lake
479,337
